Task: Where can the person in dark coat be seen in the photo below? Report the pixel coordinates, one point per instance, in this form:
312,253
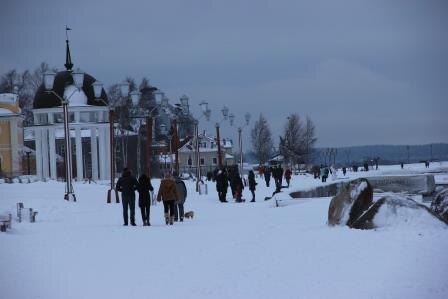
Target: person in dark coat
238,183
222,184
144,199
344,170
127,185
267,175
288,174
252,184
182,192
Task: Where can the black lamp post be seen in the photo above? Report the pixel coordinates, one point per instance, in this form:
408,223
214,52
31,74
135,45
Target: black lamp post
225,114
240,139
78,79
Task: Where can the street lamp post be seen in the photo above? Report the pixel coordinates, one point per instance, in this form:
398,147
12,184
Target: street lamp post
78,79
240,140
112,192
225,114
205,112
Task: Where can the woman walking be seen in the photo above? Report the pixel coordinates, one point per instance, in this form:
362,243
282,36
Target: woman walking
144,199
168,194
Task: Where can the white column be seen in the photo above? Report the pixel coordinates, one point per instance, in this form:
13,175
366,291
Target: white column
102,157
107,146
52,144
78,143
94,153
15,158
45,160
38,144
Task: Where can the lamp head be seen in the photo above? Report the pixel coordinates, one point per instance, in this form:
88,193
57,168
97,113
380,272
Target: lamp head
97,89
49,79
225,112
231,118
78,78
135,97
124,89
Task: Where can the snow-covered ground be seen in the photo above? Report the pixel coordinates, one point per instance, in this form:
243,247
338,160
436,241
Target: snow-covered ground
248,250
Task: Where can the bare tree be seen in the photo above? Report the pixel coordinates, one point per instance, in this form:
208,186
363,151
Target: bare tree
291,143
309,139
262,139
9,80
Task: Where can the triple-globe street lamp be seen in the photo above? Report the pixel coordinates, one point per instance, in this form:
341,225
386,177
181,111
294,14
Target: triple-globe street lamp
140,115
205,112
78,80
240,139
173,137
225,116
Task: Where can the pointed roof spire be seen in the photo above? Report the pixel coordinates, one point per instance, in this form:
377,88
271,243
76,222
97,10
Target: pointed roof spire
68,59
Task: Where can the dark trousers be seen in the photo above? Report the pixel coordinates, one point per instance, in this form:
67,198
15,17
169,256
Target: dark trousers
253,194
128,201
145,212
168,207
178,211
288,181
222,196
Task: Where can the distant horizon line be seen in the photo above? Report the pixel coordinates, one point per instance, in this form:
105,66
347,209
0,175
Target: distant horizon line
366,145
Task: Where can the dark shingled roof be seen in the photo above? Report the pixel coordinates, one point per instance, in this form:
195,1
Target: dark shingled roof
44,99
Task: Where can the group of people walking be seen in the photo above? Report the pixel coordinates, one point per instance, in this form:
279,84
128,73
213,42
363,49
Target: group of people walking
172,193
230,176
277,172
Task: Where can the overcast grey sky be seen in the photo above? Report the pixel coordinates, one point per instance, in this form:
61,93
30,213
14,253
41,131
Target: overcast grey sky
366,72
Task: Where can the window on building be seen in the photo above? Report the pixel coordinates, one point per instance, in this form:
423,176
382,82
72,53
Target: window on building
190,162
42,119
202,162
215,161
58,117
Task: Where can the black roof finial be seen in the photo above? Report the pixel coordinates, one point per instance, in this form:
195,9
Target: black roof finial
68,59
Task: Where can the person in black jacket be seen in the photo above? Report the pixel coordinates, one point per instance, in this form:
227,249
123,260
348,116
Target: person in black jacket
222,184
182,193
144,199
267,175
127,185
252,184
238,184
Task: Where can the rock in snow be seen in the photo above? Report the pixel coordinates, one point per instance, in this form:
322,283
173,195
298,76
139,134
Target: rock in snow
355,208
350,203
440,204
396,211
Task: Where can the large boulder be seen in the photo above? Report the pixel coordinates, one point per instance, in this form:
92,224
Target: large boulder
353,200
397,211
439,205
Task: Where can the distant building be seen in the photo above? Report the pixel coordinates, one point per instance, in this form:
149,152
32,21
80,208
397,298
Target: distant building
208,149
11,135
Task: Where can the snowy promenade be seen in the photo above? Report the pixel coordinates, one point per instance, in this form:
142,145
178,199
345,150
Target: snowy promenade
248,250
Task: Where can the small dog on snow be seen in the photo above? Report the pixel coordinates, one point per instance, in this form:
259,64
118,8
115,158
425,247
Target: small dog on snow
189,214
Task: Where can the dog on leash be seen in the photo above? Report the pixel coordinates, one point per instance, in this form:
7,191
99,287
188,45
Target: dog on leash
189,215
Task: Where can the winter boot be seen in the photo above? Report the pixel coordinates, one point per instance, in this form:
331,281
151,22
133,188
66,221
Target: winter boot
171,220
181,219
167,219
